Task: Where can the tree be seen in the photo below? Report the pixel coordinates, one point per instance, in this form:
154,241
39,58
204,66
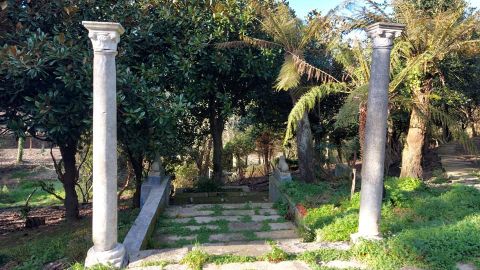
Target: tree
429,39
225,82
44,81
292,36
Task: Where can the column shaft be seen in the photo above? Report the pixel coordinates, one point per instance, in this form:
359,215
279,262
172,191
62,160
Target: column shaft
375,140
104,229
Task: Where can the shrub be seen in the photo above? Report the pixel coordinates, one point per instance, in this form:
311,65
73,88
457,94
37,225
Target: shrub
195,259
340,229
185,175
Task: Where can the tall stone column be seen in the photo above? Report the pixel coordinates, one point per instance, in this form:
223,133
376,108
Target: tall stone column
376,130
106,250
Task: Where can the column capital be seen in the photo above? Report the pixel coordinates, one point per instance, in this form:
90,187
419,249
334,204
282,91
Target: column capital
383,33
104,35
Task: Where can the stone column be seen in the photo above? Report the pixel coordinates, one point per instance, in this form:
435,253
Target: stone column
376,130
106,250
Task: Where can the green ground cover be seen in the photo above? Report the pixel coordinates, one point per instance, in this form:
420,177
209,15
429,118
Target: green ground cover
424,226
68,242
16,195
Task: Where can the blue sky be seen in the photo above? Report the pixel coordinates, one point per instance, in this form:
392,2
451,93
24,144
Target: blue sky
302,7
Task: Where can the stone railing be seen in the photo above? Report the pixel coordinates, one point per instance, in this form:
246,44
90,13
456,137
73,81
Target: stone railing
155,197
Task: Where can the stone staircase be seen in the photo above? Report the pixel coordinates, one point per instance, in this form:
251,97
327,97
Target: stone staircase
461,167
220,223
246,229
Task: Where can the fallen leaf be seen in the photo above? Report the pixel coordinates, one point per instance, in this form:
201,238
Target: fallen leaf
3,5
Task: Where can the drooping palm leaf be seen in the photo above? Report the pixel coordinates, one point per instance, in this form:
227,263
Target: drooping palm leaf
308,101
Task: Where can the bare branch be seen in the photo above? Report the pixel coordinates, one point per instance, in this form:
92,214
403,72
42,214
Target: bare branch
58,170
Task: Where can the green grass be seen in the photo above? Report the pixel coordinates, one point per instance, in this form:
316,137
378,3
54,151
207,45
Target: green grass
195,259
427,227
69,241
16,196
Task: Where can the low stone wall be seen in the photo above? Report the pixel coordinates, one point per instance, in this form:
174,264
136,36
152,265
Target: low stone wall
157,195
276,195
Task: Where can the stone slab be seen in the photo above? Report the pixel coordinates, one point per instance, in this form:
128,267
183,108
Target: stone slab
297,246
344,264
155,255
287,265
252,205
209,219
235,236
256,248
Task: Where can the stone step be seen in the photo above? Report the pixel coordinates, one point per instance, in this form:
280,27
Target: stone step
242,248
210,219
188,212
235,236
252,205
244,226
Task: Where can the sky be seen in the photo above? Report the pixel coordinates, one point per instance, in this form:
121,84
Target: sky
302,7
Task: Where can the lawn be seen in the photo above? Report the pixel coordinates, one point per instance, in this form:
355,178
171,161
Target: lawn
16,195
423,226
67,242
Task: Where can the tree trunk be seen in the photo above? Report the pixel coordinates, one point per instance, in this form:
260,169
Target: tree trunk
471,119
137,165
70,178
206,158
216,128
21,141
362,119
412,151
305,150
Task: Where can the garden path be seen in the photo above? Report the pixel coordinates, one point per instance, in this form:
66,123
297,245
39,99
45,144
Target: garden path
460,166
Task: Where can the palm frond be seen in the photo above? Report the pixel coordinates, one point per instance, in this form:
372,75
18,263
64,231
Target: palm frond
304,68
260,42
288,78
307,103
348,113
231,44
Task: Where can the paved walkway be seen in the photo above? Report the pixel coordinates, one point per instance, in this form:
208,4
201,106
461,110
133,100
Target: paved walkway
461,167
248,229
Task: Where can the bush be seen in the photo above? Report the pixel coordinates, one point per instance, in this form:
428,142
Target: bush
205,184
185,175
340,229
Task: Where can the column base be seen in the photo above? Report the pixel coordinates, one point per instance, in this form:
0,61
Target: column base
357,237
116,257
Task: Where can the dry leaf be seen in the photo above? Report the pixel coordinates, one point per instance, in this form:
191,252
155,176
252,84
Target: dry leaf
61,38
3,5
19,26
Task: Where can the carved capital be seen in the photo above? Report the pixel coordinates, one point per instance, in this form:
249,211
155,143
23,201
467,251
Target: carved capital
104,35
384,33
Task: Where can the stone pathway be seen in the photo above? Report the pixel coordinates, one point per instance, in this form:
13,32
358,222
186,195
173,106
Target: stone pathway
460,167
248,229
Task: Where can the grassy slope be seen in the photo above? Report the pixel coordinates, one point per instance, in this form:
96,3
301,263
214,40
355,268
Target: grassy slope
68,241
16,196
432,228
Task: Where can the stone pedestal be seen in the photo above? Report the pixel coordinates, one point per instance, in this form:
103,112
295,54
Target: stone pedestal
376,130
106,250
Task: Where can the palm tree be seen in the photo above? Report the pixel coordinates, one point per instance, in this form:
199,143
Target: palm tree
292,35
430,38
